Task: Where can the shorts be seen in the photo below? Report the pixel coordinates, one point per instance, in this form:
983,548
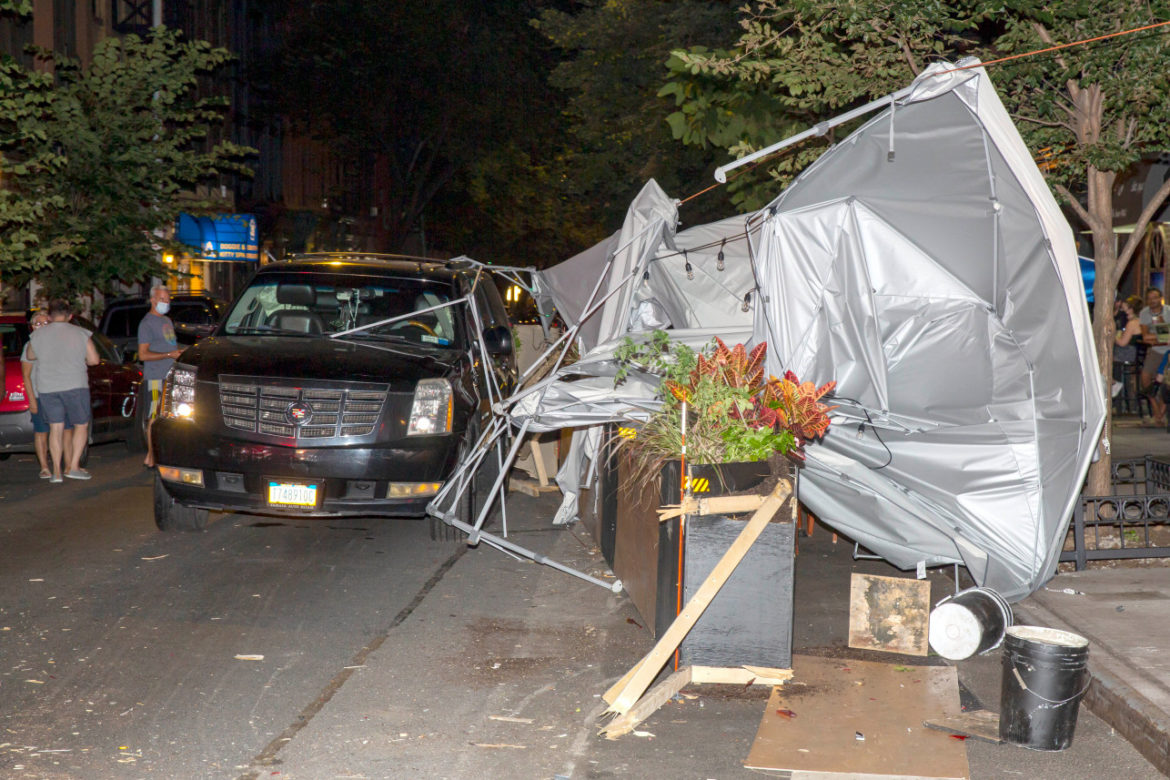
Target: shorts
1152,361
68,406
154,390
39,423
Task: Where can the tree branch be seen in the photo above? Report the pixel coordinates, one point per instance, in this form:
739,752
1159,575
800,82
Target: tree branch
1042,123
1042,32
1139,228
1077,208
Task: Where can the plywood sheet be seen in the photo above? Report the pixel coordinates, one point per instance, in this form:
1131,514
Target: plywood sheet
830,700
889,613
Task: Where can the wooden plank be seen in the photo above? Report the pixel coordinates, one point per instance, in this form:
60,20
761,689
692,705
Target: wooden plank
529,488
622,698
891,614
539,453
811,729
739,675
978,724
720,505
657,696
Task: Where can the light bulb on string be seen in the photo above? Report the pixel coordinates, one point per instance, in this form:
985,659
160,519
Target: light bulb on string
690,270
719,258
747,302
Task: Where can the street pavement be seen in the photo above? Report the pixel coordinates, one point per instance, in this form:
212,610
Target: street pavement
524,653
493,669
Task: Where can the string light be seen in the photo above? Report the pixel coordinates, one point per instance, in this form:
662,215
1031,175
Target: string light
690,270
719,258
747,302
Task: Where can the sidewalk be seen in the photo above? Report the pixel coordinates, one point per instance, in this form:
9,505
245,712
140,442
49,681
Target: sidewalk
1124,612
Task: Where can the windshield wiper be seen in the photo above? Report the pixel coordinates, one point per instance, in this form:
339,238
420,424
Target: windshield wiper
363,334
267,331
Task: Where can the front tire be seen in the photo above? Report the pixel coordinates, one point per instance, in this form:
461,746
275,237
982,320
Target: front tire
170,515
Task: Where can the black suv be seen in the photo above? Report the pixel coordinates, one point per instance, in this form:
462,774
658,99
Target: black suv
336,384
194,316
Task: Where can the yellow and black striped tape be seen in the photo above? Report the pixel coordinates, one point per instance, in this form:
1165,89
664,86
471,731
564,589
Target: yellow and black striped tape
628,433
699,484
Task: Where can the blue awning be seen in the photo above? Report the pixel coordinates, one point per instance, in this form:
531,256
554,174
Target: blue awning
222,237
1088,275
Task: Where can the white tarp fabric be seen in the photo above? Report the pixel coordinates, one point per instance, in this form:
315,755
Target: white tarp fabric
923,264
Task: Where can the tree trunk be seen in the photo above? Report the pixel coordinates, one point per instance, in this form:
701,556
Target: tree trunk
1100,208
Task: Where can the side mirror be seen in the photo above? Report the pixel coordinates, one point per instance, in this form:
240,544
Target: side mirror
498,339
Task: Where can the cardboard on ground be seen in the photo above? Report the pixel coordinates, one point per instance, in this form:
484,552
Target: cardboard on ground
889,613
834,699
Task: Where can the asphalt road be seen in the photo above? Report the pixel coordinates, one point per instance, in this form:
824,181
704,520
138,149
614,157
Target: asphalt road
385,655
119,644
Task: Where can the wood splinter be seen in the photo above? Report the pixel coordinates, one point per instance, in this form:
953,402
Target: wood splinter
720,505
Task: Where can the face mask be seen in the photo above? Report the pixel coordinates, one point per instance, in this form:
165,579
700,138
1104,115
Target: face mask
162,307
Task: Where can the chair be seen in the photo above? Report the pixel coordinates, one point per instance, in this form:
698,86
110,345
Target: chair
1130,399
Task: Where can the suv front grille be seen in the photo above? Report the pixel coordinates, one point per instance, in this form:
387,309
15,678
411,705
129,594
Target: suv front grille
264,408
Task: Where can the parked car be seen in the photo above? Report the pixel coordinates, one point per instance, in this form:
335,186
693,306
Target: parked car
113,390
195,316
305,401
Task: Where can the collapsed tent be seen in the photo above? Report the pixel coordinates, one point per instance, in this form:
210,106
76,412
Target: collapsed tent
923,264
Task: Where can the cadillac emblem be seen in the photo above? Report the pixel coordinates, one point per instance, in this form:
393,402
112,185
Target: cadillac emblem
298,413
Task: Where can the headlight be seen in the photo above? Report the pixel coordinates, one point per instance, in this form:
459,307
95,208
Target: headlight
179,392
431,411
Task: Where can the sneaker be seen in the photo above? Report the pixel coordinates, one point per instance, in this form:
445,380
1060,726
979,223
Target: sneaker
55,480
78,474
45,474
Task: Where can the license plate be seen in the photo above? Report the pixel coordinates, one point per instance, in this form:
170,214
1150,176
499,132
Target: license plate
292,494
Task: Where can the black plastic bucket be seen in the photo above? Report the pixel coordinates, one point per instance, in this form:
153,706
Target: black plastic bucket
968,623
1045,674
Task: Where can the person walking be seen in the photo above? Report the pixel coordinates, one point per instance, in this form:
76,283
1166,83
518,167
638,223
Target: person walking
157,349
40,425
62,351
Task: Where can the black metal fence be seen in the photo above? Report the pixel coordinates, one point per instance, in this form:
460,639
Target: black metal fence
1132,523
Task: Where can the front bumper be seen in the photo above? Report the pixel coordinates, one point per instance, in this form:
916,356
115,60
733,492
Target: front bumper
16,432
350,480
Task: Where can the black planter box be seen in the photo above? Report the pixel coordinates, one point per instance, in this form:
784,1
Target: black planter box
750,619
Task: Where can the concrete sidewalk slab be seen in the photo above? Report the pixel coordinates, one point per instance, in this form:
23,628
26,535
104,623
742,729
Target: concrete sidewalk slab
1125,615
1123,609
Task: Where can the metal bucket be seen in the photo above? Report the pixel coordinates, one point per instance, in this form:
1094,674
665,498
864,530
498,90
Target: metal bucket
970,622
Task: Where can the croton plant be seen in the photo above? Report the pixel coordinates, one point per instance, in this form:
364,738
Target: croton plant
733,412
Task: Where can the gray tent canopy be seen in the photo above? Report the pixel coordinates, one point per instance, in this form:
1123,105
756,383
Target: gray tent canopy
923,264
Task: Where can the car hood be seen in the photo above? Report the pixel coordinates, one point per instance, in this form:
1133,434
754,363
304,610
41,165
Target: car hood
295,357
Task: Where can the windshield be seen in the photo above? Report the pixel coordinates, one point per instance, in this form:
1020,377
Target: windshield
315,304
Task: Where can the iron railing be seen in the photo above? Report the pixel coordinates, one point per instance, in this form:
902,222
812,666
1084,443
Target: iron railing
1125,525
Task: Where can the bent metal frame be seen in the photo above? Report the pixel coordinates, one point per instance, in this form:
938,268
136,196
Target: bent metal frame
497,439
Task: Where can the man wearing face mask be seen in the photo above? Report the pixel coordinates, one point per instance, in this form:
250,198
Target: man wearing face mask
157,349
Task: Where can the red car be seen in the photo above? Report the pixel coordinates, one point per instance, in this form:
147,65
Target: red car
113,391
